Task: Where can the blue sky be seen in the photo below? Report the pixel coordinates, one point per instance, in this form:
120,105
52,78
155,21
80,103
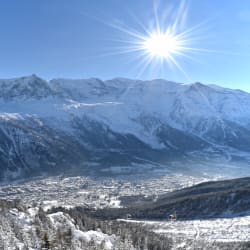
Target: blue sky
61,38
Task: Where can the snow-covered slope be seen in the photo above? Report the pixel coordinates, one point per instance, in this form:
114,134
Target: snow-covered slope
32,228
72,123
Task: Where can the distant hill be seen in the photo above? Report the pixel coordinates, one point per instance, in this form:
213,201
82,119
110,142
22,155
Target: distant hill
228,198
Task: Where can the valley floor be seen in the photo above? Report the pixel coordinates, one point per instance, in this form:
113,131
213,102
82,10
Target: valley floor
94,193
40,200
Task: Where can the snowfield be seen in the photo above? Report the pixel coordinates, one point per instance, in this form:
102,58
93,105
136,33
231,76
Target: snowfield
235,229
45,124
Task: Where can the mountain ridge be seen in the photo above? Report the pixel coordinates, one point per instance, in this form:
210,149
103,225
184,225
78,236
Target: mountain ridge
118,122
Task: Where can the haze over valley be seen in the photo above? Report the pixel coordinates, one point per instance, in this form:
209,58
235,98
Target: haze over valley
124,125
127,152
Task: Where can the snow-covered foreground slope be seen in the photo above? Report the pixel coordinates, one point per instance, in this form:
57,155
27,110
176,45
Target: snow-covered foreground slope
203,234
32,228
85,125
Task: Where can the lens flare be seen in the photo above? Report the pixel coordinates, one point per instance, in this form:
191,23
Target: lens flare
164,40
161,45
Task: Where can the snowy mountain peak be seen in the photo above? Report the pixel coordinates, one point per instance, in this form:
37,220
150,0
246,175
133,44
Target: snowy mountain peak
65,121
198,86
24,88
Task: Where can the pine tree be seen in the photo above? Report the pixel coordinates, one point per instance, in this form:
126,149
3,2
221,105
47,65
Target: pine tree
46,243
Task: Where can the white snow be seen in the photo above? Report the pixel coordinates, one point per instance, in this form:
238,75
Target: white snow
97,236
222,229
122,103
46,205
60,220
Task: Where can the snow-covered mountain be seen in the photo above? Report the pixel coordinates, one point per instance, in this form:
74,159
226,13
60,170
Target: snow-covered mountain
86,124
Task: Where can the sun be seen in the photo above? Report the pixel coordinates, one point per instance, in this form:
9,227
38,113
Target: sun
161,45
165,41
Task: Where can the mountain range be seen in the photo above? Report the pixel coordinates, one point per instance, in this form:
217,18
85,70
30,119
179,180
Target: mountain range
87,125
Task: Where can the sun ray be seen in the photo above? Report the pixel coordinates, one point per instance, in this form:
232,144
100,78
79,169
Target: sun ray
164,41
160,45
180,68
